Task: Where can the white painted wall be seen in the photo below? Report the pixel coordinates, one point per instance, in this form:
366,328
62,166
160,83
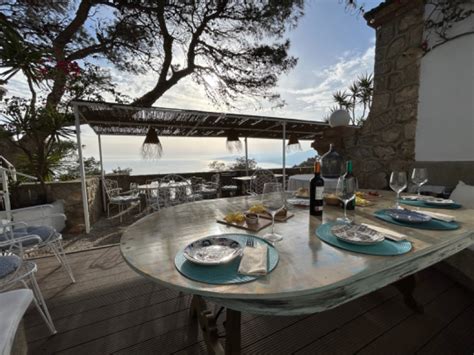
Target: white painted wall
445,128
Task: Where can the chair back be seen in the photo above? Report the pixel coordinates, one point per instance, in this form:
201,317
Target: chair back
259,178
111,188
174,190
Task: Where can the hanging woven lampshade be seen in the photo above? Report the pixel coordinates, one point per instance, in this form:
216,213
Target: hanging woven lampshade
293,144
233,142
151,147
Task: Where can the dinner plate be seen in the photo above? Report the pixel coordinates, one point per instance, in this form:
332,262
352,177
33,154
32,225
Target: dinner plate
357,234
439,202
407,216
213,250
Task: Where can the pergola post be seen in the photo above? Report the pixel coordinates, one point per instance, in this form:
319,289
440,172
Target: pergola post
102,174
246,157
284,156
85,203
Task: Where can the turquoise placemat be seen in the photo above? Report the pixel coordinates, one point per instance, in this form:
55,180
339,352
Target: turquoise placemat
385,248
434,224
223,274
453,206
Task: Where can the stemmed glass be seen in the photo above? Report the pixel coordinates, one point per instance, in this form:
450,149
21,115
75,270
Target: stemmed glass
419,177
398,183
273,199
345,191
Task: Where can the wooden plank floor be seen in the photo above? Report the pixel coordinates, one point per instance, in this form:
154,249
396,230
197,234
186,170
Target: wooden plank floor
113,310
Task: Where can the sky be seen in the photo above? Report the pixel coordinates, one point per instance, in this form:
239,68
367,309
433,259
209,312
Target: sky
333,47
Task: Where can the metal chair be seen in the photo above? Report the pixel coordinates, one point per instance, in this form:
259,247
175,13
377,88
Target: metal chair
210,189
227,184
175,190
125,201
259,178
43,236
14,270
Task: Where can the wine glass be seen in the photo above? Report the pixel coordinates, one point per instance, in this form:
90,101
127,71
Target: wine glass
419,177
273,199
398,183
345,191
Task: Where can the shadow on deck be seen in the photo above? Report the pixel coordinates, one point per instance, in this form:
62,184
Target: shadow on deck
111,309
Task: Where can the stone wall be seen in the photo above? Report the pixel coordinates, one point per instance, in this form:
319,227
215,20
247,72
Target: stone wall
386,140
28,194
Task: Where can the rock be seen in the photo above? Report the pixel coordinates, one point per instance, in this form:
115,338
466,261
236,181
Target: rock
380,102
395,80
391,135
384,151
77,229
408,20
405,112
382,67
407,93
377,181
385,34
410,130
396,47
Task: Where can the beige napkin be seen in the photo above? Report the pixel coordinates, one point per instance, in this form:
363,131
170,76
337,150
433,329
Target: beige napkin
254,261
389,234
437,215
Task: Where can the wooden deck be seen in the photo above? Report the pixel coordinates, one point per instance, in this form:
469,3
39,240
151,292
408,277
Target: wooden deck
111,309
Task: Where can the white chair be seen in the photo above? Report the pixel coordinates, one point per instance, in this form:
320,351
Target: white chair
125,201
14,271
258,180
43,237
13,305
174,190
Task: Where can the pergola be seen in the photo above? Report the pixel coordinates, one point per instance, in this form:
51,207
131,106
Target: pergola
118,119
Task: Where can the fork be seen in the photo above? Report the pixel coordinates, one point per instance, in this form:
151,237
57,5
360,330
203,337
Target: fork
250,242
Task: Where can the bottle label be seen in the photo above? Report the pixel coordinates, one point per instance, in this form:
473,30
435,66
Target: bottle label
319,193
318,208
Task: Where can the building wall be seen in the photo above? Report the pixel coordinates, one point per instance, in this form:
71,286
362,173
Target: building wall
445,130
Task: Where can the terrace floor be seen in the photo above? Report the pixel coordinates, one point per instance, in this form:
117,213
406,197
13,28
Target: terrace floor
111,309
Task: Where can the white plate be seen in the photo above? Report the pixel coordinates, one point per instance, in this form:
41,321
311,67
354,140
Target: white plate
439,202
357,234
213,250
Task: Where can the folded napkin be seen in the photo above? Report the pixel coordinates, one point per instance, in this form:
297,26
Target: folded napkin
254,261
388,233
436,215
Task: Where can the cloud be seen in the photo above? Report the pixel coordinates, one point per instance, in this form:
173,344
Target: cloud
318,98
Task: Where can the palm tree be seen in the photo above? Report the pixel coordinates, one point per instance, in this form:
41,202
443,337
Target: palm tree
366,91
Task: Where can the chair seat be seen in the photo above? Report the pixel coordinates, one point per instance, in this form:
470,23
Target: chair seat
9,264
13,305
229,188
124,199
44,232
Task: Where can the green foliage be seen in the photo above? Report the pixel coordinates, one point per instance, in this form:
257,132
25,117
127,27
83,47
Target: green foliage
357,100
69,169
239,164
122,171
38,133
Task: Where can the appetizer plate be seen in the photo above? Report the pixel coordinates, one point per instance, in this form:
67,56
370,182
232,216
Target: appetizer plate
407,216
213,250
357,234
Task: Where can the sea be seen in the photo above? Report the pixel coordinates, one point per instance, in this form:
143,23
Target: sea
168,166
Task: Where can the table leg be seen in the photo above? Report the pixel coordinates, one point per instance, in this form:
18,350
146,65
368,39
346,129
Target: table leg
232,332
207,323
406,286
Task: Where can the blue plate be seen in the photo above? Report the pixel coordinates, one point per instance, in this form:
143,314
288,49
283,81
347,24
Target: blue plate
434,224
408,216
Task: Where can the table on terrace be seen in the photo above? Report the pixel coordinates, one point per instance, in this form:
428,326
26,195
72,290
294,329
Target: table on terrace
311,276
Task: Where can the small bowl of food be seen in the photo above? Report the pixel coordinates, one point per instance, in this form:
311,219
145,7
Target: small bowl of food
331,200
251,218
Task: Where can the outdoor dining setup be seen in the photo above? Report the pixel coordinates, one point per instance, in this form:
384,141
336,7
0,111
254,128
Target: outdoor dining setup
260,254
287,246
